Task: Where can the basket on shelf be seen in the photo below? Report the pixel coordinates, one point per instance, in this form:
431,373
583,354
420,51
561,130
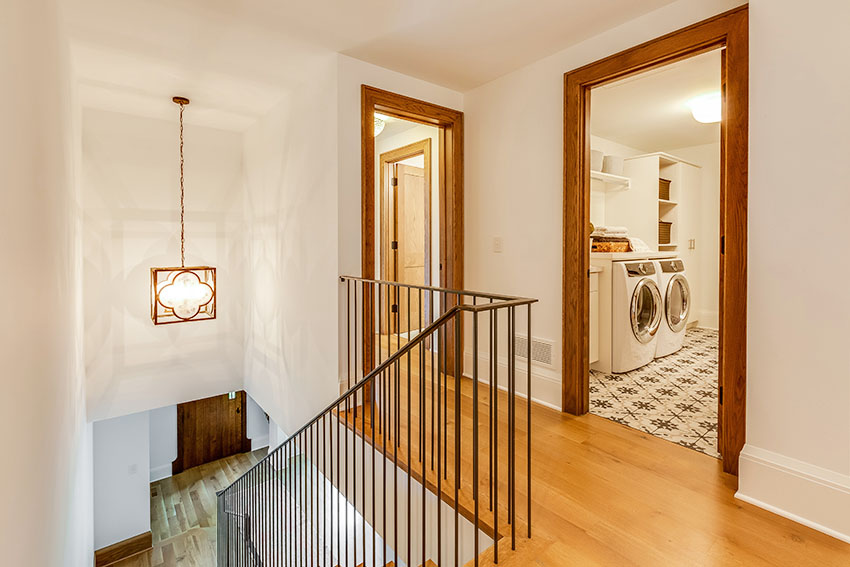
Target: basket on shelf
663,189
664,232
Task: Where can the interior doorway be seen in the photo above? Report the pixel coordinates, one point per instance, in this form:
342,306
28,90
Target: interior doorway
729,33
654,206
404,220
446,206
210,429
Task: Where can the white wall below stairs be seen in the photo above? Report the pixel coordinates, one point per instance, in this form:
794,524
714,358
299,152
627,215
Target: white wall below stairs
121,478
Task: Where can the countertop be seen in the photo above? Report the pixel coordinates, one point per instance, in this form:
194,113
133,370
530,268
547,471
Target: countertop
632,255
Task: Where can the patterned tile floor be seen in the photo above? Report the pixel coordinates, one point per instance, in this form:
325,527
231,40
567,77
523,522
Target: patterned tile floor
674,397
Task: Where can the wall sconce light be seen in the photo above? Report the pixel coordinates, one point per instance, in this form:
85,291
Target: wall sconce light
182,293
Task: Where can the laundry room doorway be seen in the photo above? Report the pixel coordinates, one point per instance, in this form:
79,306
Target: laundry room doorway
655,237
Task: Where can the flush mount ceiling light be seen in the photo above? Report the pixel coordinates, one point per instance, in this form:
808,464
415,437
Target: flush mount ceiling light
184,293
380,122
707,108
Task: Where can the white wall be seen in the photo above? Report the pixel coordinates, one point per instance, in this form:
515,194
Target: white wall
416,134
121,483
290,208
797,457
257,425
514,172
163,441
132,209
46,486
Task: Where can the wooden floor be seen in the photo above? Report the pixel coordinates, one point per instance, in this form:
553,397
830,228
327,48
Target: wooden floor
183,509
603,493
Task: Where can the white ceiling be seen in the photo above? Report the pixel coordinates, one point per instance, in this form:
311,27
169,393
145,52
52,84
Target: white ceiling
649,111
237,58
393,126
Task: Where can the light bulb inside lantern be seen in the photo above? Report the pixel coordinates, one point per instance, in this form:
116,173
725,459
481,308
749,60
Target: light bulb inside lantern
185,294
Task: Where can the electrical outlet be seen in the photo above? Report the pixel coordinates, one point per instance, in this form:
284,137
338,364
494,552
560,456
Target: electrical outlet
498,245
133,469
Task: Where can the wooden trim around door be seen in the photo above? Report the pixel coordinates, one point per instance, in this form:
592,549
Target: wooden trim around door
123,549
730,31
450,123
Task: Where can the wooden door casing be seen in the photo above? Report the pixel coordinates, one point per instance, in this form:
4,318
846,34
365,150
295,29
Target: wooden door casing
210,429
728,30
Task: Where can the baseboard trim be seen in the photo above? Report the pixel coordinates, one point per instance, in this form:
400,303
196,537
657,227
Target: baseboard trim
161,472
812,496
123,549
549,381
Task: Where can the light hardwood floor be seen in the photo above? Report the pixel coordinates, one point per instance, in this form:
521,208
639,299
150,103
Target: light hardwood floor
183,509
606,494
602,494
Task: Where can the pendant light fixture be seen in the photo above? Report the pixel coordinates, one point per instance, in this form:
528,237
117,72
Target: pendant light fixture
184,293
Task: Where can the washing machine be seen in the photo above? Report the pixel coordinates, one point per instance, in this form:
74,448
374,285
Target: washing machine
677,305
637,307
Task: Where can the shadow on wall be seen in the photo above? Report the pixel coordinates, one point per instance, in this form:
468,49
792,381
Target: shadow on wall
130,205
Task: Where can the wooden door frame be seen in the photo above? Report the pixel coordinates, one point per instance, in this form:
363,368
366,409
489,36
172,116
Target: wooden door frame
450,175
729,30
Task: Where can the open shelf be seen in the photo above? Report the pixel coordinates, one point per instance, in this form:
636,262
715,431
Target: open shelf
671,245
612,182
667,202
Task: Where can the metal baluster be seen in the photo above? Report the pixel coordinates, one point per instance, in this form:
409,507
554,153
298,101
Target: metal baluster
433,385
528,436
513,427
347,491
409,448
372,419
458,322
475,424
441,347
384,416
422,412
496,437
492,416
363,466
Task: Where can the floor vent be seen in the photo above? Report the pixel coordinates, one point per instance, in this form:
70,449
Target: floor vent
541,349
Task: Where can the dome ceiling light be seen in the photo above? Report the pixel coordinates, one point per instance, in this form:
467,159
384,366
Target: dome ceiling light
707,108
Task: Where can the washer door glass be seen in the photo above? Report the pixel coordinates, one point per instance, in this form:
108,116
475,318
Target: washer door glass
646,310
678,302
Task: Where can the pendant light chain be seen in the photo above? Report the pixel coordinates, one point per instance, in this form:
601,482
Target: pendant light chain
182,198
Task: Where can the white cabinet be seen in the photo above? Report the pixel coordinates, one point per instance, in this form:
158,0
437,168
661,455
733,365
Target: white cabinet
594,317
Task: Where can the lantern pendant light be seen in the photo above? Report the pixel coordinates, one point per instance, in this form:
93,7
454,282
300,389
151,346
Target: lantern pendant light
185,293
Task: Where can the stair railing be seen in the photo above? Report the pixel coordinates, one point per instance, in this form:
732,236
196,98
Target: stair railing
340,490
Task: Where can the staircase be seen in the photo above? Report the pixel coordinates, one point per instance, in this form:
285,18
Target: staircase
414,464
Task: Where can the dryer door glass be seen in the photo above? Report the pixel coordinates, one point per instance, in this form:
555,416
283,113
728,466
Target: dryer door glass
645,310
678,303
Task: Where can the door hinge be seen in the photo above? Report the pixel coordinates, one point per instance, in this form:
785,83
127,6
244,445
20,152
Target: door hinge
394,244
394,308
723,245
394,182
721,395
